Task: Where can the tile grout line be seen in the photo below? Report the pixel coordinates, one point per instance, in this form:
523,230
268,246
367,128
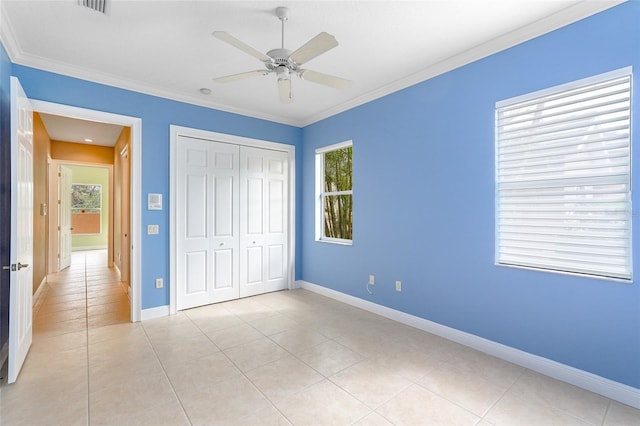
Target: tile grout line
491,407
86,323
236,365
606,413
295,356
166,375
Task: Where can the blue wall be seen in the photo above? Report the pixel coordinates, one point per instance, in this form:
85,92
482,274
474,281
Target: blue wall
157,115
424,206
5,192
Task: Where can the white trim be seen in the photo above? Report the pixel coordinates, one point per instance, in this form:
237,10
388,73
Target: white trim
567,16
617,391
136,182
337,241
175,132
334,147
39,292
84,248
320,193
153,313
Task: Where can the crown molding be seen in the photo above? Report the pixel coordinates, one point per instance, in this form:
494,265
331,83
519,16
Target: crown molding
120,83
560,19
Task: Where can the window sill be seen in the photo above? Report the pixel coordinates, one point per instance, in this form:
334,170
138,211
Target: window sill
338,242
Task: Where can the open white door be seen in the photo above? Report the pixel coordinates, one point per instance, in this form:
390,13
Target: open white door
64,217
21,290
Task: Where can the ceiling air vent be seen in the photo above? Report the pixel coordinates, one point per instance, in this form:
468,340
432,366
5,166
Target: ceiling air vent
97,5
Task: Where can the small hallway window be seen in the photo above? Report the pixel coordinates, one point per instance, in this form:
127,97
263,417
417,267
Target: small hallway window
86,209
334,193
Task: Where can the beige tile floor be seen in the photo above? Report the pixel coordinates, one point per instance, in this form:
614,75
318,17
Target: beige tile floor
291,357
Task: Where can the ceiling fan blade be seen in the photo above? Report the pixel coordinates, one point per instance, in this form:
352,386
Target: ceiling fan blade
326,79
228,38
240,76
314,47
284,90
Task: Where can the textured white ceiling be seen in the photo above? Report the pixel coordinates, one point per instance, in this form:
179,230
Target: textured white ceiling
165,48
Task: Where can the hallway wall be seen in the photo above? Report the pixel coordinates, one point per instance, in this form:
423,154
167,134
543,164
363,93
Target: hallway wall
41,151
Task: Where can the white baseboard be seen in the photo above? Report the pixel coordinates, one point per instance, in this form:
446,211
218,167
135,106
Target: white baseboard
157,312
38,294
86,248
614,390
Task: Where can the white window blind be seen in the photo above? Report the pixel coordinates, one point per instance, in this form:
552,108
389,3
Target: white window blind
563,178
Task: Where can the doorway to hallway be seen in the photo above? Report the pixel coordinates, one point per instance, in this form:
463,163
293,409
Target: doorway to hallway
86,295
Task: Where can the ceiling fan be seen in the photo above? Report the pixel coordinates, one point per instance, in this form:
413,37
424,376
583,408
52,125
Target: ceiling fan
284,63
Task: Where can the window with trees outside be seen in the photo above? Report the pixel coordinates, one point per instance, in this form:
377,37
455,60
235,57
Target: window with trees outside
86,208
334,193
563,178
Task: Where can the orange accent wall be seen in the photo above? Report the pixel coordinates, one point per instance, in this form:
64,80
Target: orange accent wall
121,207
85,223
81,152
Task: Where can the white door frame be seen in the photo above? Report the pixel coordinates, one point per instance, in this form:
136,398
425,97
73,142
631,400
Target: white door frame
136,182
176,131
54,219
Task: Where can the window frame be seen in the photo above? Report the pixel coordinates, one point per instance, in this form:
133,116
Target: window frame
85,209
321,194
590,180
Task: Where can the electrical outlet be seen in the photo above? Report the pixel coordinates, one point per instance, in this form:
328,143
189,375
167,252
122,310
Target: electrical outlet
159,283
398,286
372,280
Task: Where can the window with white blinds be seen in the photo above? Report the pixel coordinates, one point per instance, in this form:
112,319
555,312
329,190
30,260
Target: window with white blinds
563,178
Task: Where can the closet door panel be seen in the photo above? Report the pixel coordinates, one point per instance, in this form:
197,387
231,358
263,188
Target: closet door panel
206,222
192,227
224,243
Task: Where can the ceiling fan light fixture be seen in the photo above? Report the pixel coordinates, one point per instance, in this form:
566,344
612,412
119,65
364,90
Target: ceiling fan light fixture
283,73
284,90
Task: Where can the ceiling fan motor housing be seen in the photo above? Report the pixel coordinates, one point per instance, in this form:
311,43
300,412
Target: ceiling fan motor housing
281,58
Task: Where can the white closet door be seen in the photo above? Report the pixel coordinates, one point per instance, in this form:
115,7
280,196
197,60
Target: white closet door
263,220
207,228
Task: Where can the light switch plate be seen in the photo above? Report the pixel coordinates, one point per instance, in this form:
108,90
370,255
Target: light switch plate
153,229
